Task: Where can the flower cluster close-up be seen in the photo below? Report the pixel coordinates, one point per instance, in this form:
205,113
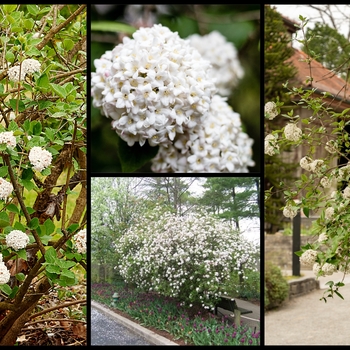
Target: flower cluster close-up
153,86
160,89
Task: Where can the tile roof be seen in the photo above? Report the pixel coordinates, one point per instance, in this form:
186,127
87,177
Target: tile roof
323,79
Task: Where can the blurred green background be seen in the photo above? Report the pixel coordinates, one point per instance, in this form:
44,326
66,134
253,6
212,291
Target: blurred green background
240,24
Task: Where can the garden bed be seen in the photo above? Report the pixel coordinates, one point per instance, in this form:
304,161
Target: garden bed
165,316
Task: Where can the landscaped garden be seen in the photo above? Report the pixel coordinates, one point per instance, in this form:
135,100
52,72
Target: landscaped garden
166,316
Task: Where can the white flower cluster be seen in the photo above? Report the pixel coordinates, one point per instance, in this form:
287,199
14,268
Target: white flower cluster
292,132
329,213
40,158
223,56
8,138
313,166
28,66
4,272
6,188
289,211
270,110
346,192
153,86
216,145
17,239
271,146
308,257
80,241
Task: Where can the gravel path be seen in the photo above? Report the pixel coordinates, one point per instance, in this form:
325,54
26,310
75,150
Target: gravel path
107,331
306,320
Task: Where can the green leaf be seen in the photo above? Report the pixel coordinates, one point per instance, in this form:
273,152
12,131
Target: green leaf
37,128
50,227
51,256
64,264
53,269
21,105
43,81
3,170
306,212
27,174
12,208
59,90
14,292
133,158
28,185
5,288
4,219
34,223
33,9
22,254
10,57
9,8
20,276
106,26
68,44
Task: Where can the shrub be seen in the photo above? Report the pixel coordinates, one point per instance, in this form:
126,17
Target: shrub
189,258
276,287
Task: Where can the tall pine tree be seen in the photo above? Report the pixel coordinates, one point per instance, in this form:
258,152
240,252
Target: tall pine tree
277,71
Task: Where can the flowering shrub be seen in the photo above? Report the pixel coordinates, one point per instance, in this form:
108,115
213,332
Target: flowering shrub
330,252
189,258
42,156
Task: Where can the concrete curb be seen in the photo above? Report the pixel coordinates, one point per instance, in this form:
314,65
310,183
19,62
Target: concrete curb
150,336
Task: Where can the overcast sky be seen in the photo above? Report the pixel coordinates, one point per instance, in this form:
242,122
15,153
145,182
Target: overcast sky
294,11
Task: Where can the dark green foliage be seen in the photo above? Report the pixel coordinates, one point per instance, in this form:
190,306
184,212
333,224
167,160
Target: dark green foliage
276,287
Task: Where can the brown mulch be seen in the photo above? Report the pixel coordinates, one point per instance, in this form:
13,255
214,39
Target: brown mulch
50,325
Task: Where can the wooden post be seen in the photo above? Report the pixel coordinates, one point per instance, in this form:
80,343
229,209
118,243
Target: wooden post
237,314
296,244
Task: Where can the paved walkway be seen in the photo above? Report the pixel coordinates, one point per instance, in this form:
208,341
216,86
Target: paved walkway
105,330
306,320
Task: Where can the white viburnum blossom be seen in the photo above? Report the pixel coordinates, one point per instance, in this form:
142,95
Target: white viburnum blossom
308,257
292,132
328,269
316,268
153,86
289,212
305,163
40,158
329,213
316,165
4,272
16,74
223,56
331,146
17,239
8,138
322,237
217,145
28,66
346,192
80,241
270,110
6,188
325,182
271,146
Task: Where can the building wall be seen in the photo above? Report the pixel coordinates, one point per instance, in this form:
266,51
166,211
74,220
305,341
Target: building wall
278,250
